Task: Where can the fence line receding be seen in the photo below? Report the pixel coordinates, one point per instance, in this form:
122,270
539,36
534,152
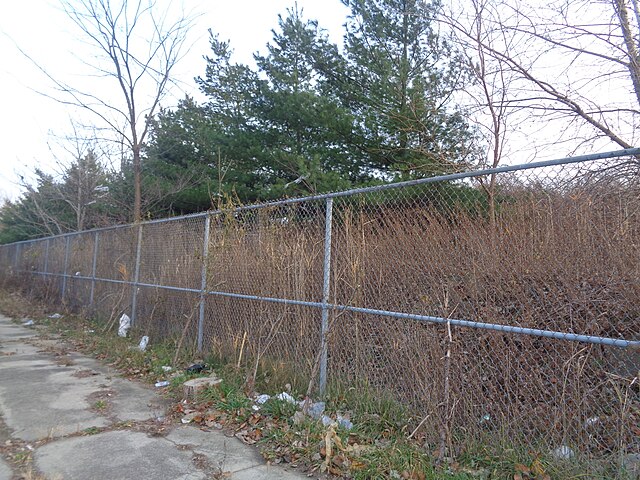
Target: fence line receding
535,270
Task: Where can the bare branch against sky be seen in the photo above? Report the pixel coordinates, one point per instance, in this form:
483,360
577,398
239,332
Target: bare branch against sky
572,66
41,30
136,46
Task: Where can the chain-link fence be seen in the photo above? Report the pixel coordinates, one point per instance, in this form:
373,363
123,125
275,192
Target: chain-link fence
500,306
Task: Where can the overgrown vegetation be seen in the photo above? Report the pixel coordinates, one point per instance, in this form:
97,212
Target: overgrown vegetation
560,259
307,118
380,444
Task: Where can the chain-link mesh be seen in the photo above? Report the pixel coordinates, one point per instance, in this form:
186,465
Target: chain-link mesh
171,254
271,252
545,261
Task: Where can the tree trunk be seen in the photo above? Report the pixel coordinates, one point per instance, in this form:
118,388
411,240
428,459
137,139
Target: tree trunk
632,51
137,195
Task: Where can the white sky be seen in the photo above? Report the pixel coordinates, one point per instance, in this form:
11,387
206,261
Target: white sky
31,124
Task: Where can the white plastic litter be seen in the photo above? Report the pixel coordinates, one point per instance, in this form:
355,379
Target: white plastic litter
144,341
316,410
125,324
563,453
188,418
55,316
326,420
591,422
166,368
285,397
344,422
164,383
261,399
28,323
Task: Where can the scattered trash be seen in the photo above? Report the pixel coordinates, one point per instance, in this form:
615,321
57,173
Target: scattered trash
326,420
164,383
144,341
166,368
316,410
344,422
196,368
188,418
125,324
261,399
484,419
77,274
55,316
563,453
285,397
28,323
590,422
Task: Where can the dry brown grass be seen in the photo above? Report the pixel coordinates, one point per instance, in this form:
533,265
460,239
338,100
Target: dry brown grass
566,260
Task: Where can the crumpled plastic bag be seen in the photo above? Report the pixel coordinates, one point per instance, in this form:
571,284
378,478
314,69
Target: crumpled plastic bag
125,324
285,397
144,341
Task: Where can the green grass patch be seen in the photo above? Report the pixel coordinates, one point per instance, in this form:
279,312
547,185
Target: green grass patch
378,446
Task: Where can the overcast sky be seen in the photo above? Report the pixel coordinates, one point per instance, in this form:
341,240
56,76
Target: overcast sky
31,124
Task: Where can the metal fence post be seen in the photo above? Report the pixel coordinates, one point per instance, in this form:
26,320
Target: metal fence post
203,281
45,270
93,267
16,258
136,278
46,258
66,262
326,278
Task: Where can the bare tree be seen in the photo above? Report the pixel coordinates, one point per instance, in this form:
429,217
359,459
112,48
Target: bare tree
83,178
35,211
136,49
69,199
573,65
490,94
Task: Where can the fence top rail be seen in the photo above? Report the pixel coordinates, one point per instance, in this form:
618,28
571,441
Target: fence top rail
628,152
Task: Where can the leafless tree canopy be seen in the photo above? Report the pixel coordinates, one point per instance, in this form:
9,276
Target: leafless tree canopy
137,46
571,65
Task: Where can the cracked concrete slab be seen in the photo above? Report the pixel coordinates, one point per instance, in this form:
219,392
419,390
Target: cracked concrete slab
116,455
225,453
47,392
44,402
11,331
228,455
5,471
41,395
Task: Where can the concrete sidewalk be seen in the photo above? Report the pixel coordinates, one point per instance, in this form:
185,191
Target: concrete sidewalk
48,405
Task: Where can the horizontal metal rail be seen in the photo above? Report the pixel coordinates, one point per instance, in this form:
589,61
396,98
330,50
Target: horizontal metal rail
629,152
535,332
